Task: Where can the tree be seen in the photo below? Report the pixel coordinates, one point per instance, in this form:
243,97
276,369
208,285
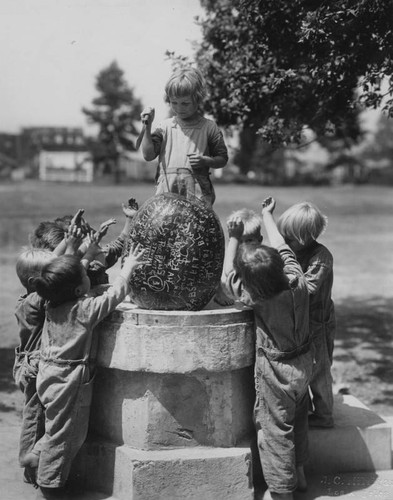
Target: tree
278,67
115,111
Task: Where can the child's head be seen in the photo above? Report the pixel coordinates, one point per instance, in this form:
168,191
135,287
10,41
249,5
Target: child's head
252,225
261,270
63,279
186,82
301,224
64,221
48,234
29,265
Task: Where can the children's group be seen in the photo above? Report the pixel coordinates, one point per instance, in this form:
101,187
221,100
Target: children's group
287,284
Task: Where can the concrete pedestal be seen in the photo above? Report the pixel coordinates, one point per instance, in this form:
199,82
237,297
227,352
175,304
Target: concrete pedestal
171,417
172,408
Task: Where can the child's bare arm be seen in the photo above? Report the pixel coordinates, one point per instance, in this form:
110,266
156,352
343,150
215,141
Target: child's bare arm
130,210
274,235
199,161
92,250
61,247
235,232
105,226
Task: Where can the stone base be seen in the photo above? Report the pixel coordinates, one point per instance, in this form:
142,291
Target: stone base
360,440
177,474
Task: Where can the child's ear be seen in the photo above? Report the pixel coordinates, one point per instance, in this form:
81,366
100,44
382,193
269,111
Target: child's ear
30,284
79,291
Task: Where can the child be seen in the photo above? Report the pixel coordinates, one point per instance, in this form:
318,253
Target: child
187,145
111,252
251,233
30,316
301,225
271,282
66,368
50,234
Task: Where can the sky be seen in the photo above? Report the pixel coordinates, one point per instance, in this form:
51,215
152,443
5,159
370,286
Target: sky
52,50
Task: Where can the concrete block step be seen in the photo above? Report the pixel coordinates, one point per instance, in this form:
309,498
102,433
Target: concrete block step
360,441
172,474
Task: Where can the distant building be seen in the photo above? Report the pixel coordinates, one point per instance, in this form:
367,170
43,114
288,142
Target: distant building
56,154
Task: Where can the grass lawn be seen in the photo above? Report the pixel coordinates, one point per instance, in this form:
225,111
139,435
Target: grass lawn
359,234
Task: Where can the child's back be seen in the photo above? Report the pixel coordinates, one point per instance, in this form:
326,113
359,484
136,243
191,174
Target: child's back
67,363
301,225
271,281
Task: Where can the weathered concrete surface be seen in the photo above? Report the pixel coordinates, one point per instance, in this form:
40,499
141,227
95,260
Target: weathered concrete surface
151,411
174,378
179,474
359,441
138,340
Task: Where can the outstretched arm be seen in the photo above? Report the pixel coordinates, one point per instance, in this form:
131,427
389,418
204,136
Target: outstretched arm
274,235
130,210
235,231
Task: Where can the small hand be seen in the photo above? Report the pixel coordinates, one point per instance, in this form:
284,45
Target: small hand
131,209
77,217
268,205
235,228
196,160
135,256
105,226
147,115
73,239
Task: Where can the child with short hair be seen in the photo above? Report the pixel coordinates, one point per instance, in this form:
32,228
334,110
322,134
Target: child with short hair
30,316
271,282
66,367
187,145
252,232
48,234
301,225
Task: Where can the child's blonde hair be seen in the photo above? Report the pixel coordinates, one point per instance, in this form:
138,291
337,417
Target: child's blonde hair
251,220
30,263
186,82
303,222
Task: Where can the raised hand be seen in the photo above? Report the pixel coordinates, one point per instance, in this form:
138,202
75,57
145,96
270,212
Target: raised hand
131,209
268,205
134,259
235,228
104,227
73,239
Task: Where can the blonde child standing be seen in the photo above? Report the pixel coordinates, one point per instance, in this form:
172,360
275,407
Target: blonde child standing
187,145
271,282
300,226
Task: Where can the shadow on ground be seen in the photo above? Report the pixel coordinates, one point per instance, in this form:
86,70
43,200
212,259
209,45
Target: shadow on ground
364,350
10,395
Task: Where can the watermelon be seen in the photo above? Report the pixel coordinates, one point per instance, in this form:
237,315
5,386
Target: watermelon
185,244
